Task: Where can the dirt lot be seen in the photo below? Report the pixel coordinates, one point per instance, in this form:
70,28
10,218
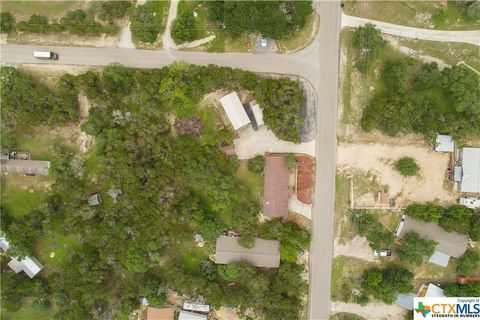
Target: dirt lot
378,159
305,178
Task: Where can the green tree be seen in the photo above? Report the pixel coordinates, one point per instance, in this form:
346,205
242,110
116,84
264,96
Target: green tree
148,21
368,40
246,241
229,272
469,263
385,284
7,23
415,249
368,226
428,76
458,290
256,164
428,212
184,28
456,218
407,166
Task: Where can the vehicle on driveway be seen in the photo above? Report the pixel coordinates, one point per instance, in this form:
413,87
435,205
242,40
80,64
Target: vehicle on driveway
48,55
382,253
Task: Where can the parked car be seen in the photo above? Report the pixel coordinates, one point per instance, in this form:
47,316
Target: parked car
382,253
264,42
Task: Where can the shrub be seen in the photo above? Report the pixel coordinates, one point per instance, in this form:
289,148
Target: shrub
469,263
7,23
407,166
256,164
147,21
290,161
246,241
184,28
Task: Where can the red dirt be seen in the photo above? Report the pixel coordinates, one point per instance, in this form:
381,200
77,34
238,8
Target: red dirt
305,178
299,219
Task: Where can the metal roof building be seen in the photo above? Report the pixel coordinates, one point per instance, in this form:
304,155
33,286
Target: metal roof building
196,306
265,253
405,300
187,315
30,266
449,244
471,170
444,143
275,184
257,112
34,167
234,109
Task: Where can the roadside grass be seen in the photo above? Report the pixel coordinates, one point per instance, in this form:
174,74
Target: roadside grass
253,181
421,14
302,38
346,275
346,316
346,42
343,228
43,8
450,52
28,312
201,20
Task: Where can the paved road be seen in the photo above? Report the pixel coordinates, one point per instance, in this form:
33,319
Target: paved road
318,63
471,36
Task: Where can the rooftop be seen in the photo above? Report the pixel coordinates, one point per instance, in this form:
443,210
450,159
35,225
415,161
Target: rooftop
25,166
444,143
234,109
471,170
275,199
265,253
187,315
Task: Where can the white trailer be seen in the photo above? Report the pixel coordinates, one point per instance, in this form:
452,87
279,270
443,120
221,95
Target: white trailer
45,55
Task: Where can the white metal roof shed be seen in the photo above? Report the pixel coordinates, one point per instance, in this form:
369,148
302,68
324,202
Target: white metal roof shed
444,143
30,266
434,291
186,315
405,300
439,258
234,110
471,170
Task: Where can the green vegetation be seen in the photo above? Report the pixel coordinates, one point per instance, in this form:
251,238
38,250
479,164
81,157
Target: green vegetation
184,27
469,263
407,166
111,10
368,41
44,8
282,101
7,22
367,225
453,218
384,284
275,19
458,290
346,316
346,272
148,21
25,201
415,249
173,186
256,164
290,161
451,15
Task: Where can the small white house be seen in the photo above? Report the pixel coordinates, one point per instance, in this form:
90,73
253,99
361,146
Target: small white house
234,109
187,315
444,143
30,266
472,203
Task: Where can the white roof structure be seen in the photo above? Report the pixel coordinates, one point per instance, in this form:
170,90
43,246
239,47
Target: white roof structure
196,306
472,203
4,244
187,315
234,110
471,170
439,258
258,113
434,291
30,266
405,300
444,143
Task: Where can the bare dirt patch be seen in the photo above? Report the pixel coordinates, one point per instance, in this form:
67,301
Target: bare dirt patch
226,314
379,158
357,248
63,39
305,178
298,219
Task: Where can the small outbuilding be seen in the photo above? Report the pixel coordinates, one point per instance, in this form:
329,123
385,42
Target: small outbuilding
160,313
196,306
264,254
275,183
30,266
470,170
405,300
472,203
444,143
234,109
94,200
28,167
187,315
431,290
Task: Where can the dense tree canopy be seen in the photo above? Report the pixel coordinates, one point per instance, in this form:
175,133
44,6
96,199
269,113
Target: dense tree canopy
458,290
368,41
415,249
275,19
469,263
384,284
184,27
148,21
172,186
367,225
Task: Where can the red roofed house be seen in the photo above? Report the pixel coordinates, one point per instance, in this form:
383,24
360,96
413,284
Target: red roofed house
276,192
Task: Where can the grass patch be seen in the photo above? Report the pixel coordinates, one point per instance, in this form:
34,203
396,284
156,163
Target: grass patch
43,8
302,38
19,202
421,14
343,229
346,274
346,316
27,312
192,260
450,52
36,140
253,181
63,245
346,40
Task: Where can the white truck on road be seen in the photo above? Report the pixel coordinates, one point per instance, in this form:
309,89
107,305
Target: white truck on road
45,55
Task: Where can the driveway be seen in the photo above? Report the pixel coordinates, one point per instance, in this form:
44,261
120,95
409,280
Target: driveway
471,36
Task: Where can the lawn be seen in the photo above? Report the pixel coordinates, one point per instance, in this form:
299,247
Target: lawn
421,14
450,52
44,8
346,274
61,244
27,312
19,201
253,181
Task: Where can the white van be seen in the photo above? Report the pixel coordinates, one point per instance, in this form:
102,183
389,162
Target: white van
45,55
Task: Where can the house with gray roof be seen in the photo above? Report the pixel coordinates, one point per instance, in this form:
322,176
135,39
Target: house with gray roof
449,244
265,253
470,170
30,167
